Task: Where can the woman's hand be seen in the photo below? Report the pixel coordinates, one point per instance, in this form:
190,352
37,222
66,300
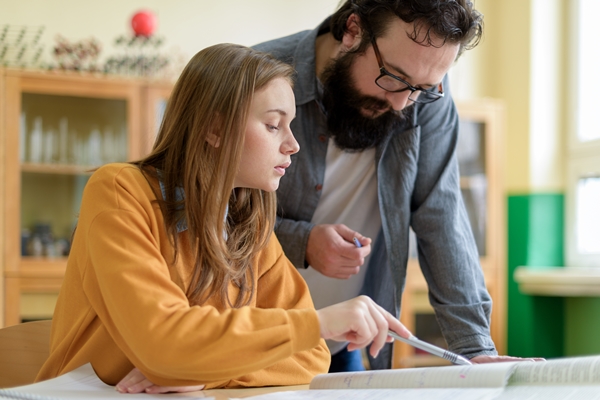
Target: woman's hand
359,321
136,382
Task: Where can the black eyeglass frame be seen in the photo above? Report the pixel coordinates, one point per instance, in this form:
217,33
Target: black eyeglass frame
384,72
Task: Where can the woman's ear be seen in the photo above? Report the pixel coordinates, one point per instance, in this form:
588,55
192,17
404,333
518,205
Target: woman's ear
213,140
353,34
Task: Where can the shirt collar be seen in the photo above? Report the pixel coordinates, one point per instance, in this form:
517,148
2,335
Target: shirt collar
180,196
306,87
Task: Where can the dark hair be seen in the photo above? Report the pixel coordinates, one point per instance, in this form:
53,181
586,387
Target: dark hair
453,21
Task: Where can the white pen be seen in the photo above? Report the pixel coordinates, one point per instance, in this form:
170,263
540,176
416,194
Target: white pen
431,349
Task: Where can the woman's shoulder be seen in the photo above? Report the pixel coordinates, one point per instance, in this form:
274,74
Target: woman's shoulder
118,180
119,174
114,170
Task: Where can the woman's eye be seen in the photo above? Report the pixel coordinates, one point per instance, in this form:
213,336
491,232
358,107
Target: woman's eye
272,127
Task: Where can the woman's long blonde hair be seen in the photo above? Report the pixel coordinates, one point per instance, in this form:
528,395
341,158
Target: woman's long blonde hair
211,99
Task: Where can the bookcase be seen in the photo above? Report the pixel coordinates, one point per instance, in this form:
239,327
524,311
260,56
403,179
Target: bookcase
55,128
480,155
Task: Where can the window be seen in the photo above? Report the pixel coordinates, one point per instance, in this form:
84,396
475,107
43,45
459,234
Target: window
583,156
588,215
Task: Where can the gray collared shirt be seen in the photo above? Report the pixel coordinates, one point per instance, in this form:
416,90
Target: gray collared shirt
182,225
418,187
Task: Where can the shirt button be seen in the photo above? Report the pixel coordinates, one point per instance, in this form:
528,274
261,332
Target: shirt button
322,138
319,187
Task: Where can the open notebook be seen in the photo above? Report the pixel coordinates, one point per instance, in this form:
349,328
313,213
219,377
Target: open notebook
572,378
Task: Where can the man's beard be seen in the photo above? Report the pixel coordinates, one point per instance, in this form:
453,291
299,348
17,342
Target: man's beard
343,103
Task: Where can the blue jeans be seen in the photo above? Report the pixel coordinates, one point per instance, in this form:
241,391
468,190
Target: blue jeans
346,361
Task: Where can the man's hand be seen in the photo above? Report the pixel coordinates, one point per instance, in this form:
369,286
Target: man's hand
359,321
330,250
136,382
492,359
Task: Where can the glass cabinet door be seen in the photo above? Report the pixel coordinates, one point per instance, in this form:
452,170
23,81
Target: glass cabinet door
155,100
470,152
62,139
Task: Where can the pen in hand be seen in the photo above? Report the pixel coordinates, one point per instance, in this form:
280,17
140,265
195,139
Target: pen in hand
431,349
356,242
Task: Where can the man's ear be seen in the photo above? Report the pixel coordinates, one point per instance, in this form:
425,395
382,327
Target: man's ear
213,140
353,33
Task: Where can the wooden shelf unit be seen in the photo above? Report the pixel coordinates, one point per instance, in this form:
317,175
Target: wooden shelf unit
488,116
66,94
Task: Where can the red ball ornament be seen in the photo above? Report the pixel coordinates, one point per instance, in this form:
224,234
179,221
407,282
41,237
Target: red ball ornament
143,23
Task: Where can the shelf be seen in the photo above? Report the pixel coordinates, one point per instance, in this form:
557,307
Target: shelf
36,267
559,281
37,275
64,169
54,267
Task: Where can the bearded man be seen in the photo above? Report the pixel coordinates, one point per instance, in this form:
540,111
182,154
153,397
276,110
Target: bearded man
377,130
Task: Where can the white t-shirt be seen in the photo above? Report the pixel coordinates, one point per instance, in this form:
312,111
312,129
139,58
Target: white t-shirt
349,196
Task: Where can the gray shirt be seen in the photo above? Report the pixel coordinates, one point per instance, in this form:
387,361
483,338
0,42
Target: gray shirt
418,186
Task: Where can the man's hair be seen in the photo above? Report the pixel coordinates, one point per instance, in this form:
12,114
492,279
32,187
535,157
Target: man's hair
453,21
210,104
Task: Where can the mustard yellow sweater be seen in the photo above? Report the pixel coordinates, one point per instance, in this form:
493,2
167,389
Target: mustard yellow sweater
123,303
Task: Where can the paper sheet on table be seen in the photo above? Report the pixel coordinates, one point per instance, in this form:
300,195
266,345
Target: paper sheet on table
81,383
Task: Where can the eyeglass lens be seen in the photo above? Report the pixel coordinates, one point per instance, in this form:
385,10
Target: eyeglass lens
391,84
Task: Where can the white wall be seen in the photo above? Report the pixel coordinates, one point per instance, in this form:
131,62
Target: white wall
189,25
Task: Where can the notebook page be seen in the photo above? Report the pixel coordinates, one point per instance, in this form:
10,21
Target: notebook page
575,370
468,376
81,383
553,392
383,394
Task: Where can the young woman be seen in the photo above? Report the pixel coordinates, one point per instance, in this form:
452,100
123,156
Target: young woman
174,270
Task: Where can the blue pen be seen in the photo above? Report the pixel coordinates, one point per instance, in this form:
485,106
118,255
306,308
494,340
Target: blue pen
356,242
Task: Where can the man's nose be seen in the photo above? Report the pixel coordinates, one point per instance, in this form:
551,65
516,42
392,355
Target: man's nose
398,100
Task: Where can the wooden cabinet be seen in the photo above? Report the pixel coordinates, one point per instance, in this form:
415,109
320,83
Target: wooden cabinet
480,155
55,128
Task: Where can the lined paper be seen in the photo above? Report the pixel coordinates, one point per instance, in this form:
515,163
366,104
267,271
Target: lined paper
468,376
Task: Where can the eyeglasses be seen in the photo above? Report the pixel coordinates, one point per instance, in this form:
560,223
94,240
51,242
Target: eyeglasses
392,83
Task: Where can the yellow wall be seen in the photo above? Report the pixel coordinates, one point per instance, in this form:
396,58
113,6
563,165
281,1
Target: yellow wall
514,51
504,62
